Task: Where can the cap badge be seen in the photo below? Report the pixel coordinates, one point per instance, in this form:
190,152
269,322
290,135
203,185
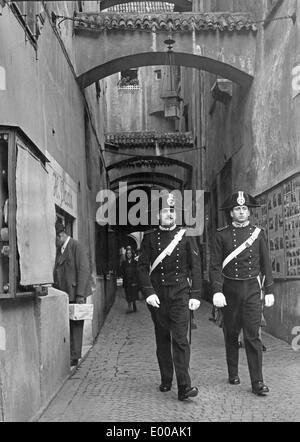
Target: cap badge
240,199
171,200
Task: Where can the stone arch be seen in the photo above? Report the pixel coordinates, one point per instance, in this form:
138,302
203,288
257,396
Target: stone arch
141,178
168,160
223,44
159,58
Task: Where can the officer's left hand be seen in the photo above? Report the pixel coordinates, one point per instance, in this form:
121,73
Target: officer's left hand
79,299
269,300
194,304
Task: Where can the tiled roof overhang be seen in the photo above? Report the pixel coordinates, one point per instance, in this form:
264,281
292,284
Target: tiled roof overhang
133,7
184,22
132,164
149,139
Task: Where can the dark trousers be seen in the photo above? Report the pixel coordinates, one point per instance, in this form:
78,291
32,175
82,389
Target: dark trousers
171,322
76,333
243,311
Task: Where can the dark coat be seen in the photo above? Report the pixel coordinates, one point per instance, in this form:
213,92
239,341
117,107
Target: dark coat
173,271
130,279
71,271
129,272
247,265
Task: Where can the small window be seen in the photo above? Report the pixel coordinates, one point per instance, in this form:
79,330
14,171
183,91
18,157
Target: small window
157,74
128,78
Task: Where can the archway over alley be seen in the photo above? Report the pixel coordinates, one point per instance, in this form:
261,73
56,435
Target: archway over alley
223,44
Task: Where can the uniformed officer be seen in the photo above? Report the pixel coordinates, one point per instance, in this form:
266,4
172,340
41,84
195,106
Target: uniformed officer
168,294
239,261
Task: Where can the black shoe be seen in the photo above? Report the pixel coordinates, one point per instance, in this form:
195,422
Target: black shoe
234,381
74,362
260,389
186,392
164,388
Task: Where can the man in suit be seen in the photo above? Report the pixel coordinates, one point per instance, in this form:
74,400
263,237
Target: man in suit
72,275
239,261
169,296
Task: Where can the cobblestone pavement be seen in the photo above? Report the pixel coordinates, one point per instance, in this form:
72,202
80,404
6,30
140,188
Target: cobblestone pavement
118,380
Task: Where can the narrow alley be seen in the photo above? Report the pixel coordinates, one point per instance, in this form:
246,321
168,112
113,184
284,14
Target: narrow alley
153,145
118,380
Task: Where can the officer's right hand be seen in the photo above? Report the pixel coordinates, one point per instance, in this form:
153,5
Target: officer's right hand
153,300
219,300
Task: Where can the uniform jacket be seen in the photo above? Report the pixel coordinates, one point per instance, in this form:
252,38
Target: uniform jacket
71,271
174,270
247,265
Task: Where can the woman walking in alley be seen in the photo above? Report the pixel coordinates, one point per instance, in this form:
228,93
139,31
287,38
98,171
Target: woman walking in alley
130,279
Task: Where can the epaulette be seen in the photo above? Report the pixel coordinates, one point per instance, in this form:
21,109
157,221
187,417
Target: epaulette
149,231
222,228
261,228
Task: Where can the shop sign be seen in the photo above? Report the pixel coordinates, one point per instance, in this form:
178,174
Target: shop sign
63,187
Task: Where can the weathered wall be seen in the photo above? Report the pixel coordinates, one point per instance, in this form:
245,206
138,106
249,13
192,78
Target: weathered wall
285,315
41,96
258,132
258,129
255,7
276,152
20,360
125,110
34,354
130,110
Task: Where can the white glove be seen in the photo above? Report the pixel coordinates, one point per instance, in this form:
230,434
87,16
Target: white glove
219,300
194,304
153,300
269,300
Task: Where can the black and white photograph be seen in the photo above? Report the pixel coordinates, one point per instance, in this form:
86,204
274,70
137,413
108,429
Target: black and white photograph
150,214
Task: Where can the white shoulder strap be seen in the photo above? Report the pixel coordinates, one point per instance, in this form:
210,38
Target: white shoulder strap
168,250
242,247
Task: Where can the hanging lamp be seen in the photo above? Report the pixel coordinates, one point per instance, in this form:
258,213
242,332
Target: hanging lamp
170,95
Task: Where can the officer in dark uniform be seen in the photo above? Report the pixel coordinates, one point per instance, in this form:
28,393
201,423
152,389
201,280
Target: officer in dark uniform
236,286
169,296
